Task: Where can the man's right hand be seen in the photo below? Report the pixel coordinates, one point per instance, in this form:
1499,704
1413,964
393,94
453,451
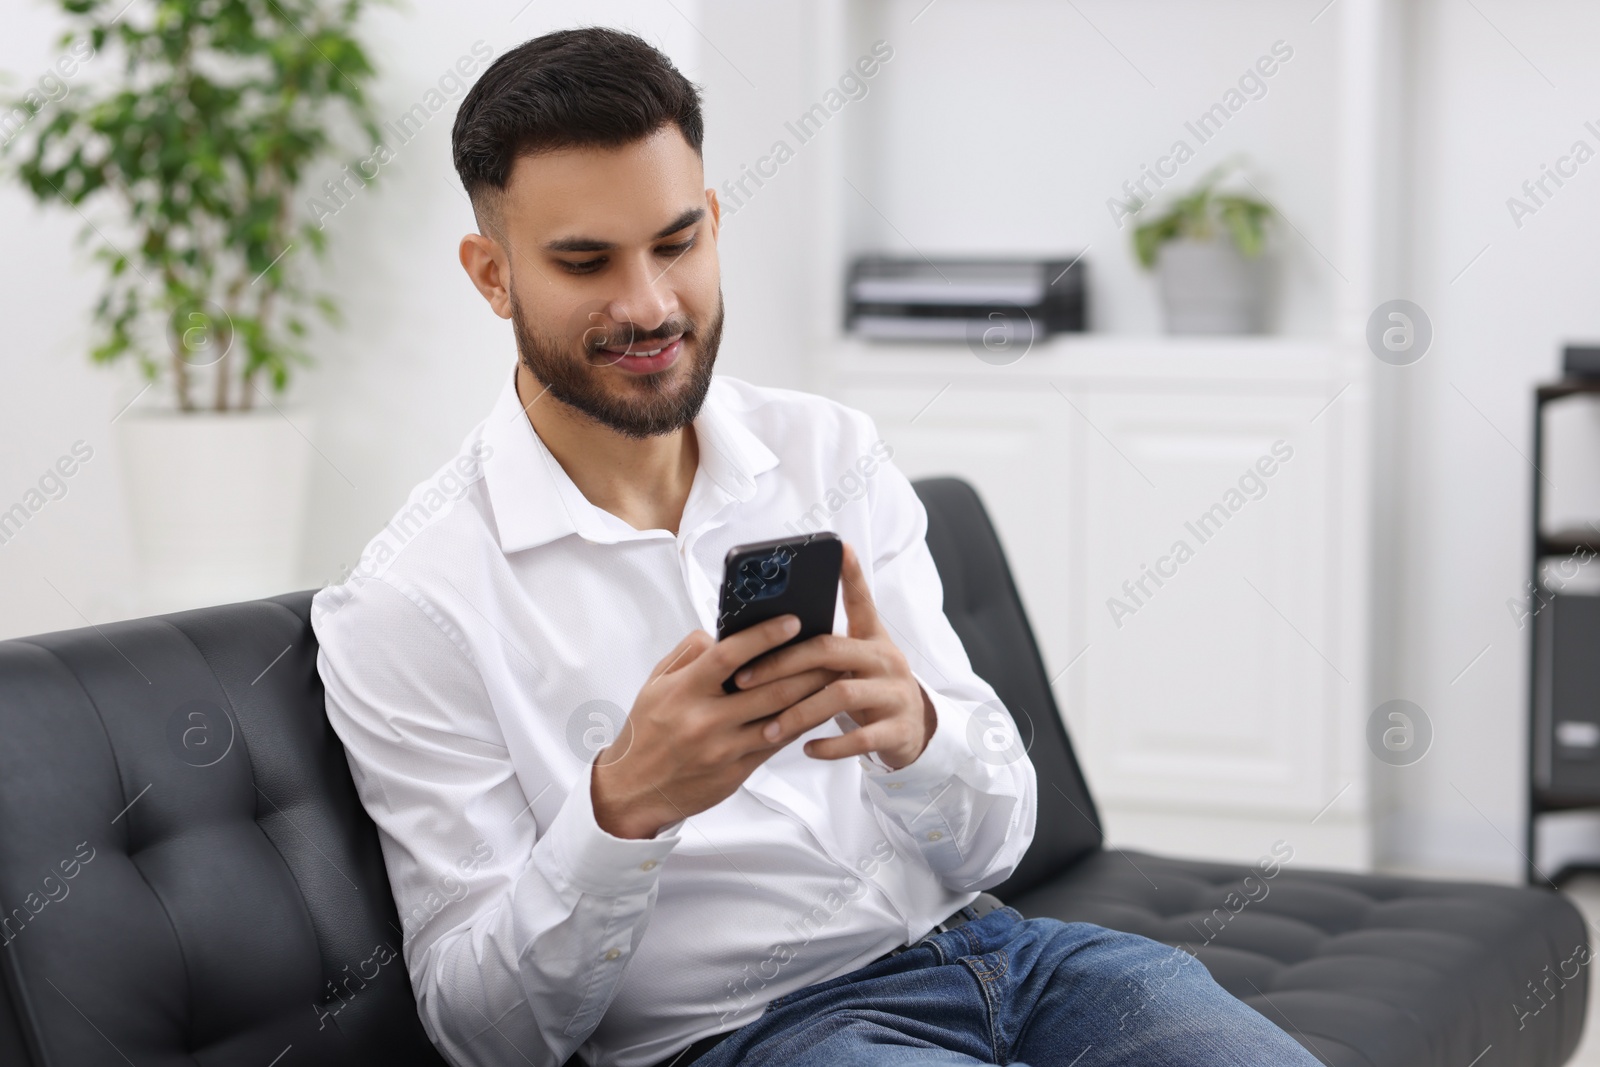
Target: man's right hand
687,745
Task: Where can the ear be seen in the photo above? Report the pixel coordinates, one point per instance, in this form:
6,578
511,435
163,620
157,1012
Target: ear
716,213
487,264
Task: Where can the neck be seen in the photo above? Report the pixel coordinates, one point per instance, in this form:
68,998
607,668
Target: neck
645,483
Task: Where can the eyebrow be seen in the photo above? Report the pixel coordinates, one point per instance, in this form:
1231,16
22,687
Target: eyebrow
594,244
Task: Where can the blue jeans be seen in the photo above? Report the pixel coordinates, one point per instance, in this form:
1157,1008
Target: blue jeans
1007,990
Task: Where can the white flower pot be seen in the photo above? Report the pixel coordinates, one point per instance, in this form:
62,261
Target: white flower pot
217,502
1209,287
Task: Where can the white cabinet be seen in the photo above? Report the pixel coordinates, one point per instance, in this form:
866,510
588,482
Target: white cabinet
1187,523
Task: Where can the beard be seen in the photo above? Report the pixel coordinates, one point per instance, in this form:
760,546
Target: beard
648,404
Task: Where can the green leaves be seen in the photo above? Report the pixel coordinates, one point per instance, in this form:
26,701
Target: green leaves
1198,213
1246,221
217,110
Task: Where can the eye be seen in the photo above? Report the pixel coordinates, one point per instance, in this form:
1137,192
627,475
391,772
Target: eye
586,267
677,249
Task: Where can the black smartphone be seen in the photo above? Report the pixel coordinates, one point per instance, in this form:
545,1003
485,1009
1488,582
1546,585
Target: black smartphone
790,576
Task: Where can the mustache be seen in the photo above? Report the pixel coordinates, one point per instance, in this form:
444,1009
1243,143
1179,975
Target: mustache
597,337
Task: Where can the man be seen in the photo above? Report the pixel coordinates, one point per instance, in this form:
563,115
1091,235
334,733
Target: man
592,846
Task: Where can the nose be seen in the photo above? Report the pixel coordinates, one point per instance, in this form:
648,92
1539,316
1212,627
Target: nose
645,297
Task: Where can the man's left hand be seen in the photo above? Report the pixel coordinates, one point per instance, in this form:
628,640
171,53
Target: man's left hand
876,687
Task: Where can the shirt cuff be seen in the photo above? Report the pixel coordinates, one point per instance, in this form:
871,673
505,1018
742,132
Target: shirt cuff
940,759
594,861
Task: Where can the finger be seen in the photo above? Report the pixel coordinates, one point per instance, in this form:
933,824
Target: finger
843,654
683,653
859,608
860,697
874,737
734,651
758,707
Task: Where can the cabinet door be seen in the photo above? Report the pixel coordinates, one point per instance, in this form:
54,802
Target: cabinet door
1211,596
1230,696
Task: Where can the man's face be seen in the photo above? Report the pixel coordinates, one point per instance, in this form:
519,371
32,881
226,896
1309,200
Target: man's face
612,253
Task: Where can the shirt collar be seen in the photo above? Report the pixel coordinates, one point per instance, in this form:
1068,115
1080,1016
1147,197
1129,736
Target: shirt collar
535,501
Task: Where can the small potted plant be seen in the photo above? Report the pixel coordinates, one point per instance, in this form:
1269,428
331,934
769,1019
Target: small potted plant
1207,250
184,143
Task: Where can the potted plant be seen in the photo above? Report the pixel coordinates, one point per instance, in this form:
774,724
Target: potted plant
1207,249
187,132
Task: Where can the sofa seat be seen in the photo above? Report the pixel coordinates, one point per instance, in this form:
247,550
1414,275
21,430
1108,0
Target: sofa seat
1361,969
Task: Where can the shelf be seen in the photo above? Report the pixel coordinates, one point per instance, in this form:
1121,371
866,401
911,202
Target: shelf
1322,367
1548,801
1069,343
1568,387
1568,542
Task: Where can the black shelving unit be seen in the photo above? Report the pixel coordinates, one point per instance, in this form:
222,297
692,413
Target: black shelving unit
1564,660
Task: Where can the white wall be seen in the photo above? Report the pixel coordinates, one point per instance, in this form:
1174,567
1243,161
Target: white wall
1001,125
72,561
1483,120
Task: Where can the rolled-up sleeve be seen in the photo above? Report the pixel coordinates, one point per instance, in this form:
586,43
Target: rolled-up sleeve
515,939
969,798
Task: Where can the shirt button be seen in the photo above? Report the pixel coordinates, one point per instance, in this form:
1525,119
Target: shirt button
895,785
934,835
613,953
648,865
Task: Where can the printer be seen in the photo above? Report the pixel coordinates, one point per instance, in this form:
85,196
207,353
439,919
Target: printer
958,299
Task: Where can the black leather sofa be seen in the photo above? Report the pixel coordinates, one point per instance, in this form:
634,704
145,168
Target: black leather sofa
187,876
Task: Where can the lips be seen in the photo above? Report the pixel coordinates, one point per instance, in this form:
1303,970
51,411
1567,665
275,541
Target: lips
645,358
643,349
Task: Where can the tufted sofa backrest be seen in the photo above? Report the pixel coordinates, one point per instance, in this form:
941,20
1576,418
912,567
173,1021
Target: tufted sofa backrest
186,872
981,602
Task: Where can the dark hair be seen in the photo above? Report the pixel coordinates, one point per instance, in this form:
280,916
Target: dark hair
587,86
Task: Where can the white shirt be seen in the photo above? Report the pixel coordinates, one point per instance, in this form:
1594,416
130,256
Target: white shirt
491,641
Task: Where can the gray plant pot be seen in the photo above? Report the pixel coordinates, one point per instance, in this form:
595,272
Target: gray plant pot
1208,287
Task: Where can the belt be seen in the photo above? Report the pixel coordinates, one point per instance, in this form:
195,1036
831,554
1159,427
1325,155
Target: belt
985,903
